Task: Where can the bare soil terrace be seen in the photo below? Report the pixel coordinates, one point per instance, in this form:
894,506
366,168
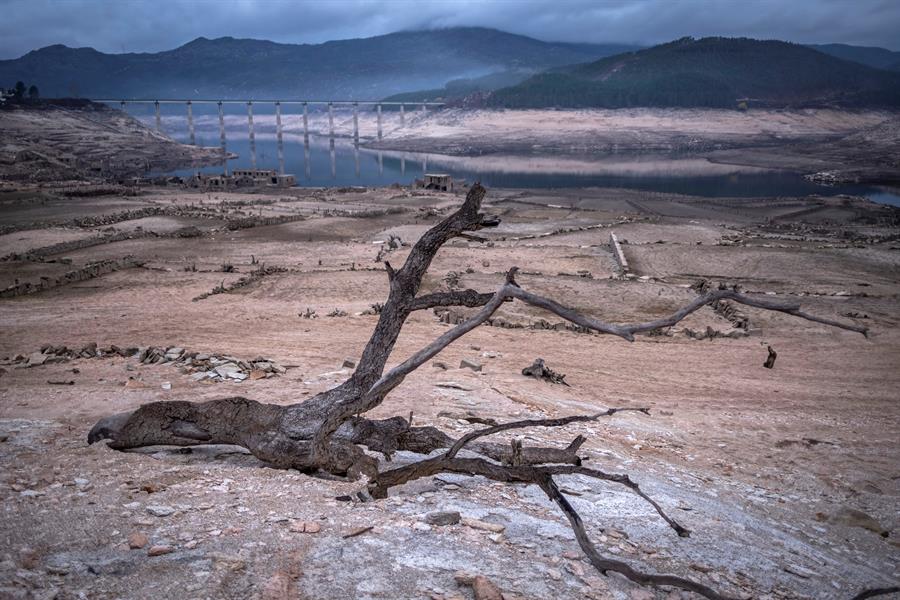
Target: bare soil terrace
789,478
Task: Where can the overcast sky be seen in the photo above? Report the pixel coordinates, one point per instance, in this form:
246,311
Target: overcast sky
153,25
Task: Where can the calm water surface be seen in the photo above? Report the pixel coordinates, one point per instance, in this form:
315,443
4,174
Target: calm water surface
319,166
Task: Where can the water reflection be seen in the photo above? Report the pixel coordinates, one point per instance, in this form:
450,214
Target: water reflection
325,159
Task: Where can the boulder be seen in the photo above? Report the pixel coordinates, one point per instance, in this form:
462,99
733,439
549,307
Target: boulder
442,517
226,369
470,364
38,358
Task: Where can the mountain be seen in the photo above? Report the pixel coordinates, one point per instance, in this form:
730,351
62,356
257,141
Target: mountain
458,89
878,58
229,68
710,72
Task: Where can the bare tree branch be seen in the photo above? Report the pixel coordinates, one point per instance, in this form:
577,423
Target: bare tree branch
543,477
605,565
534,423
470,298
627,331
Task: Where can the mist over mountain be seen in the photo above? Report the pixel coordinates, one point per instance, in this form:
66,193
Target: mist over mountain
229,68
709,72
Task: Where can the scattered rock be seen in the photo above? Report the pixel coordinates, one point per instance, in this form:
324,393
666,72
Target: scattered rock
348,363
483,587
36,359
160,511
305,527
228,562
159,550
483,525
227,369
442,518
439,365
135,384
257,374
137,540
470,364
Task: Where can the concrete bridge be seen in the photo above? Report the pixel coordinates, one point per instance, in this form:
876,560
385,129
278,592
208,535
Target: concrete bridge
355,104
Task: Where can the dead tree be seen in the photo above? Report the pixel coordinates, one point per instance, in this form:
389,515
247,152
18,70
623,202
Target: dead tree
325,432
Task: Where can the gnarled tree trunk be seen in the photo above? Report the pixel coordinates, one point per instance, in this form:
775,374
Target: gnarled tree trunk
324,433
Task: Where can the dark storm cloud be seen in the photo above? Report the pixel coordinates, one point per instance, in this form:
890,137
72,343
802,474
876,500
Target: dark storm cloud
153,25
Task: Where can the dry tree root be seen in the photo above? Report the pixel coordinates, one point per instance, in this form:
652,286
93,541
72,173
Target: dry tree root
323,434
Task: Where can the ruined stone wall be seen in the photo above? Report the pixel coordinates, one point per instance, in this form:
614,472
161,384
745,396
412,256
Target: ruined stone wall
617,253
248,222
89,272
72,245
724,308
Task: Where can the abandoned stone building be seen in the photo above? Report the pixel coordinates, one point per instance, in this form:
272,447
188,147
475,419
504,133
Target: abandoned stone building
241,178
438,181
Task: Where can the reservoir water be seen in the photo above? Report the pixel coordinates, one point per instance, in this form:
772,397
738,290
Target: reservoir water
341,163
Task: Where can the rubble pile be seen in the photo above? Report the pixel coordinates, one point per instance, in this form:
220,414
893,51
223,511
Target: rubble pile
244,281
201,366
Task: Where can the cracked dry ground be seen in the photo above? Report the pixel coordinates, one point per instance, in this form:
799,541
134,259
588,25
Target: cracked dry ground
788,477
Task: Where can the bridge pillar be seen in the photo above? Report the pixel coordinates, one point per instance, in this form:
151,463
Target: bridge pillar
379,122
402,115
306,166
333,162
158,127
306,139
305,124
331,139
331,121
222,137
356,123
424,109
252,135
403,164
190,109
380,163
280,140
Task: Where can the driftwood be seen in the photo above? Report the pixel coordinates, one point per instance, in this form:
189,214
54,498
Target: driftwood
539,370
324,433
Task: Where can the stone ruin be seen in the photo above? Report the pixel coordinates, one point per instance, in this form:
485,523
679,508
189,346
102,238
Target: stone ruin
200,366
